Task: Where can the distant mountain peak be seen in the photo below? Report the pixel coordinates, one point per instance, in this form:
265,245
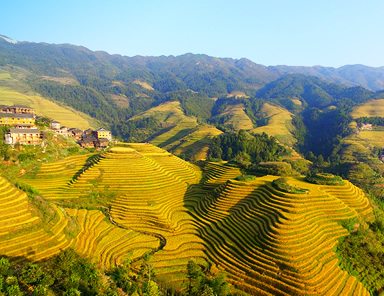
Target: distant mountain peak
8,39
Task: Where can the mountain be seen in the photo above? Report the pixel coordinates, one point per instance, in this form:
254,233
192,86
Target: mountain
350,75
8,39
121,92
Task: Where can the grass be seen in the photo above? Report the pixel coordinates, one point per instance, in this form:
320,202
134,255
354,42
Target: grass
43,107
279,124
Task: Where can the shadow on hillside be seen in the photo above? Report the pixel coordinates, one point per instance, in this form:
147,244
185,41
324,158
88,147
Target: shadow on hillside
88,164
237,235
180,134
160,132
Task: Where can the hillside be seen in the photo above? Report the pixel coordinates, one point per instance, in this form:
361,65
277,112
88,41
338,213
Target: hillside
267,241
132,95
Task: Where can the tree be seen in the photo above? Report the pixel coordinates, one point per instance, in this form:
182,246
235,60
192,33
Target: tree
151,289
31,274
4,266
147,271
193,273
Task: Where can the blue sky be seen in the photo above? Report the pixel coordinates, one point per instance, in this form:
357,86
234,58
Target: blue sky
270,32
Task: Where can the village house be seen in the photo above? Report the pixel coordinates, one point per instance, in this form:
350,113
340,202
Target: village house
21,109
54,125
98,139
23,136
63,131
103,134
101,143
14,119
75,133
366,126
87,142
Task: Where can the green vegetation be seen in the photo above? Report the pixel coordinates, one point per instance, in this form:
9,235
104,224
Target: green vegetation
376,120
246,148
324,179
282,185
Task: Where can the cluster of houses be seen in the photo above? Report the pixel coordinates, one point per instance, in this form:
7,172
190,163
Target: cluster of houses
23,130
366,127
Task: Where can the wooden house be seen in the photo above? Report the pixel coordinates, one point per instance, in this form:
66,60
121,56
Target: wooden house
23,136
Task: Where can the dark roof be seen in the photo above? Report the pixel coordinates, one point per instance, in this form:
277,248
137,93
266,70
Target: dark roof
20,106
103,140
101,130
24,131
75,130
88,140
54,121
15,115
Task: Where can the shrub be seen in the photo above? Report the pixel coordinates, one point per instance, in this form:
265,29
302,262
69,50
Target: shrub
246,178
324,179
273,168
282,185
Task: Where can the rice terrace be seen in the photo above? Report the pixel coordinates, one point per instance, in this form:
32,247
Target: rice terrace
135,199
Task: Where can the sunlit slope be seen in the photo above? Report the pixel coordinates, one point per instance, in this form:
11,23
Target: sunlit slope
172,115
105,243
149,185
54,179
369,109
268,242
237,117
275,243
362,141
195,145
23,233
155,184
279,124
43,107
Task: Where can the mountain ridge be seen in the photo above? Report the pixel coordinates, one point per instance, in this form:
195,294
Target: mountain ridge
350,75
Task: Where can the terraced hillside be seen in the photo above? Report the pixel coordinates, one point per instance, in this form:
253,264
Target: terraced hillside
184,135
275,243
106,243
23,232
238,117
268,242
66,115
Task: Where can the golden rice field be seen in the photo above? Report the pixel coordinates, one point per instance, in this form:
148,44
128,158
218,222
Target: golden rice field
266,241
66,116
105,243
369,109
23,234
